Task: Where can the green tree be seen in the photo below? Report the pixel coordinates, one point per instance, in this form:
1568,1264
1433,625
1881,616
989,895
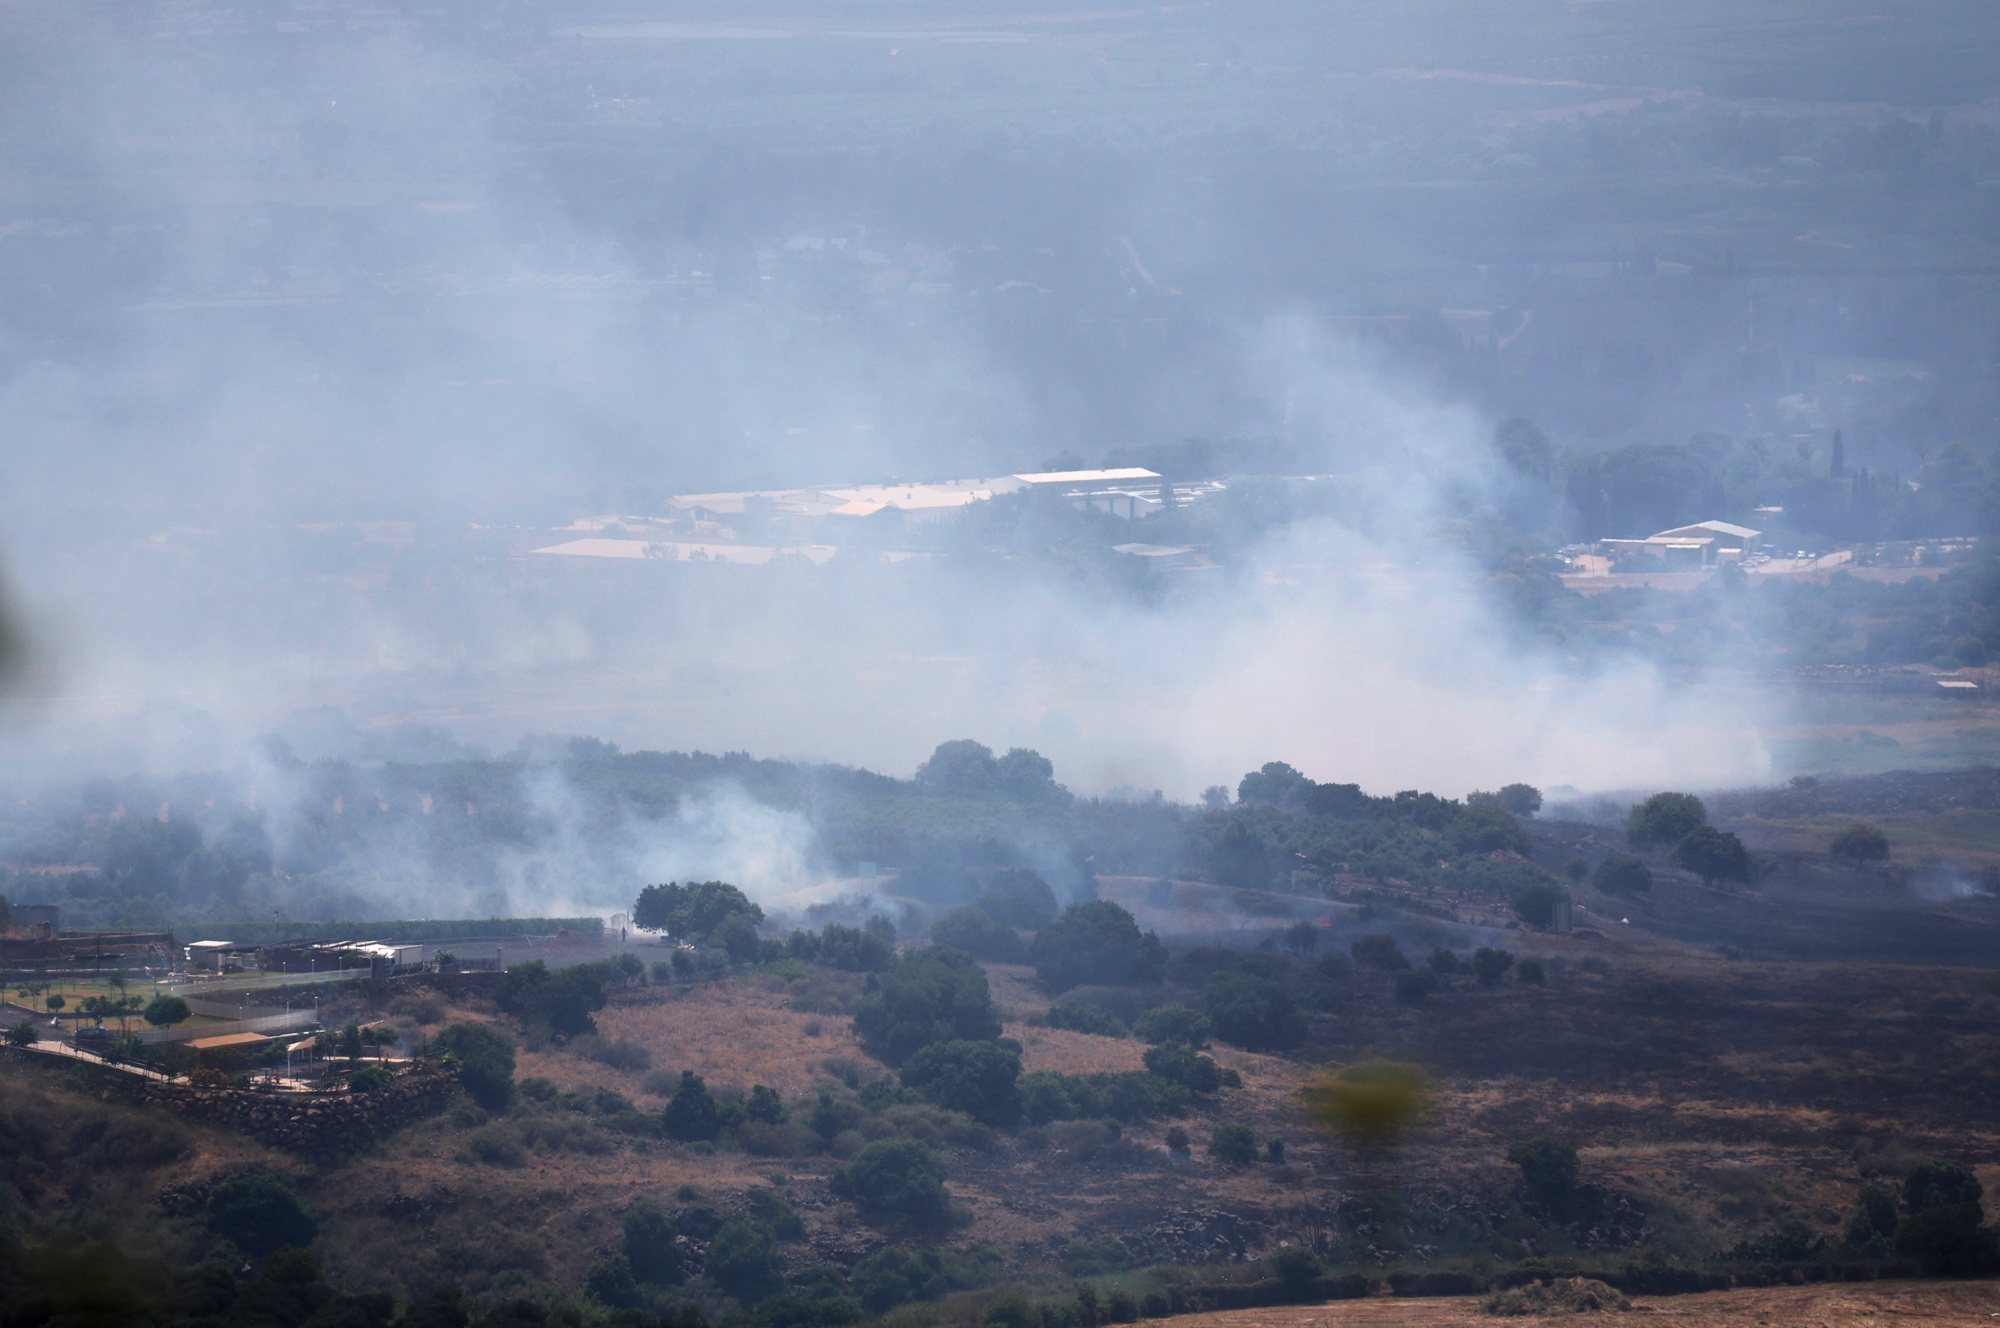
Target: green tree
961,767
1018,898
1665,818
1174,1023
650,1250
1622,874
1872,1224
764,1106
1378,949
934,994
164,1011
1859,844
1183,1065
1522,800
1948,1240
1714,855
692,1113
260,1212
485,1060
609,1281
743,1260
977,1078
977,933
1099,943
1275,784
1549,1167
561,1000
692,912
1251,1006
1940,1185
895,1182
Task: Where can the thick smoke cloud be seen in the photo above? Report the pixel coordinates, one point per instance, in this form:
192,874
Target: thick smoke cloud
347,293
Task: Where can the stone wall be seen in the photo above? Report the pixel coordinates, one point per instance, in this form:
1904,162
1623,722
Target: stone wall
311,1125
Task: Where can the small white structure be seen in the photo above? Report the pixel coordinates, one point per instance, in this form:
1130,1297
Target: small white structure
213,956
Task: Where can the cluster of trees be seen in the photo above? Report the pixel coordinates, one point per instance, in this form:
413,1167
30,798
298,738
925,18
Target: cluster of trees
1678,823
964,768
1933,1219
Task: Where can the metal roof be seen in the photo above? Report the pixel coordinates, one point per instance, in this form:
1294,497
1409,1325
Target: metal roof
1717,527
1087,476
227,1040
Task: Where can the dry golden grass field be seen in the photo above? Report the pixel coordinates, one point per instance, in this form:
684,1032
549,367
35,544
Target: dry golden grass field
1949,1304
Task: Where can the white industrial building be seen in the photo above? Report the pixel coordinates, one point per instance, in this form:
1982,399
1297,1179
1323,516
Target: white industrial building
1698,545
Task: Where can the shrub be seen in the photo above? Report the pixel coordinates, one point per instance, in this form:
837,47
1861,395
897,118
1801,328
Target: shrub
1416,986
1083,1017
1297,1270
1183,1065
609,1282
979,935
371,1080
1174,1023
692,1114
764,1106
1251,1007
930,995
260,1212
485,1062
1378,949
1096,942
866,949
1018,898
1790,1243
1873,1222
623,1054
562,1000
831,1116
652,1254
1940,1185
1947,1239
1622,874
977,1078
1177,1141
895,1182
496,1146
1549,1167
1233,1145
743,1260
1044,1096
1487,829
1490,965
1533,973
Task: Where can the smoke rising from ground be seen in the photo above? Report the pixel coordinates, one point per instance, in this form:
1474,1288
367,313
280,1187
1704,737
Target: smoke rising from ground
349,293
